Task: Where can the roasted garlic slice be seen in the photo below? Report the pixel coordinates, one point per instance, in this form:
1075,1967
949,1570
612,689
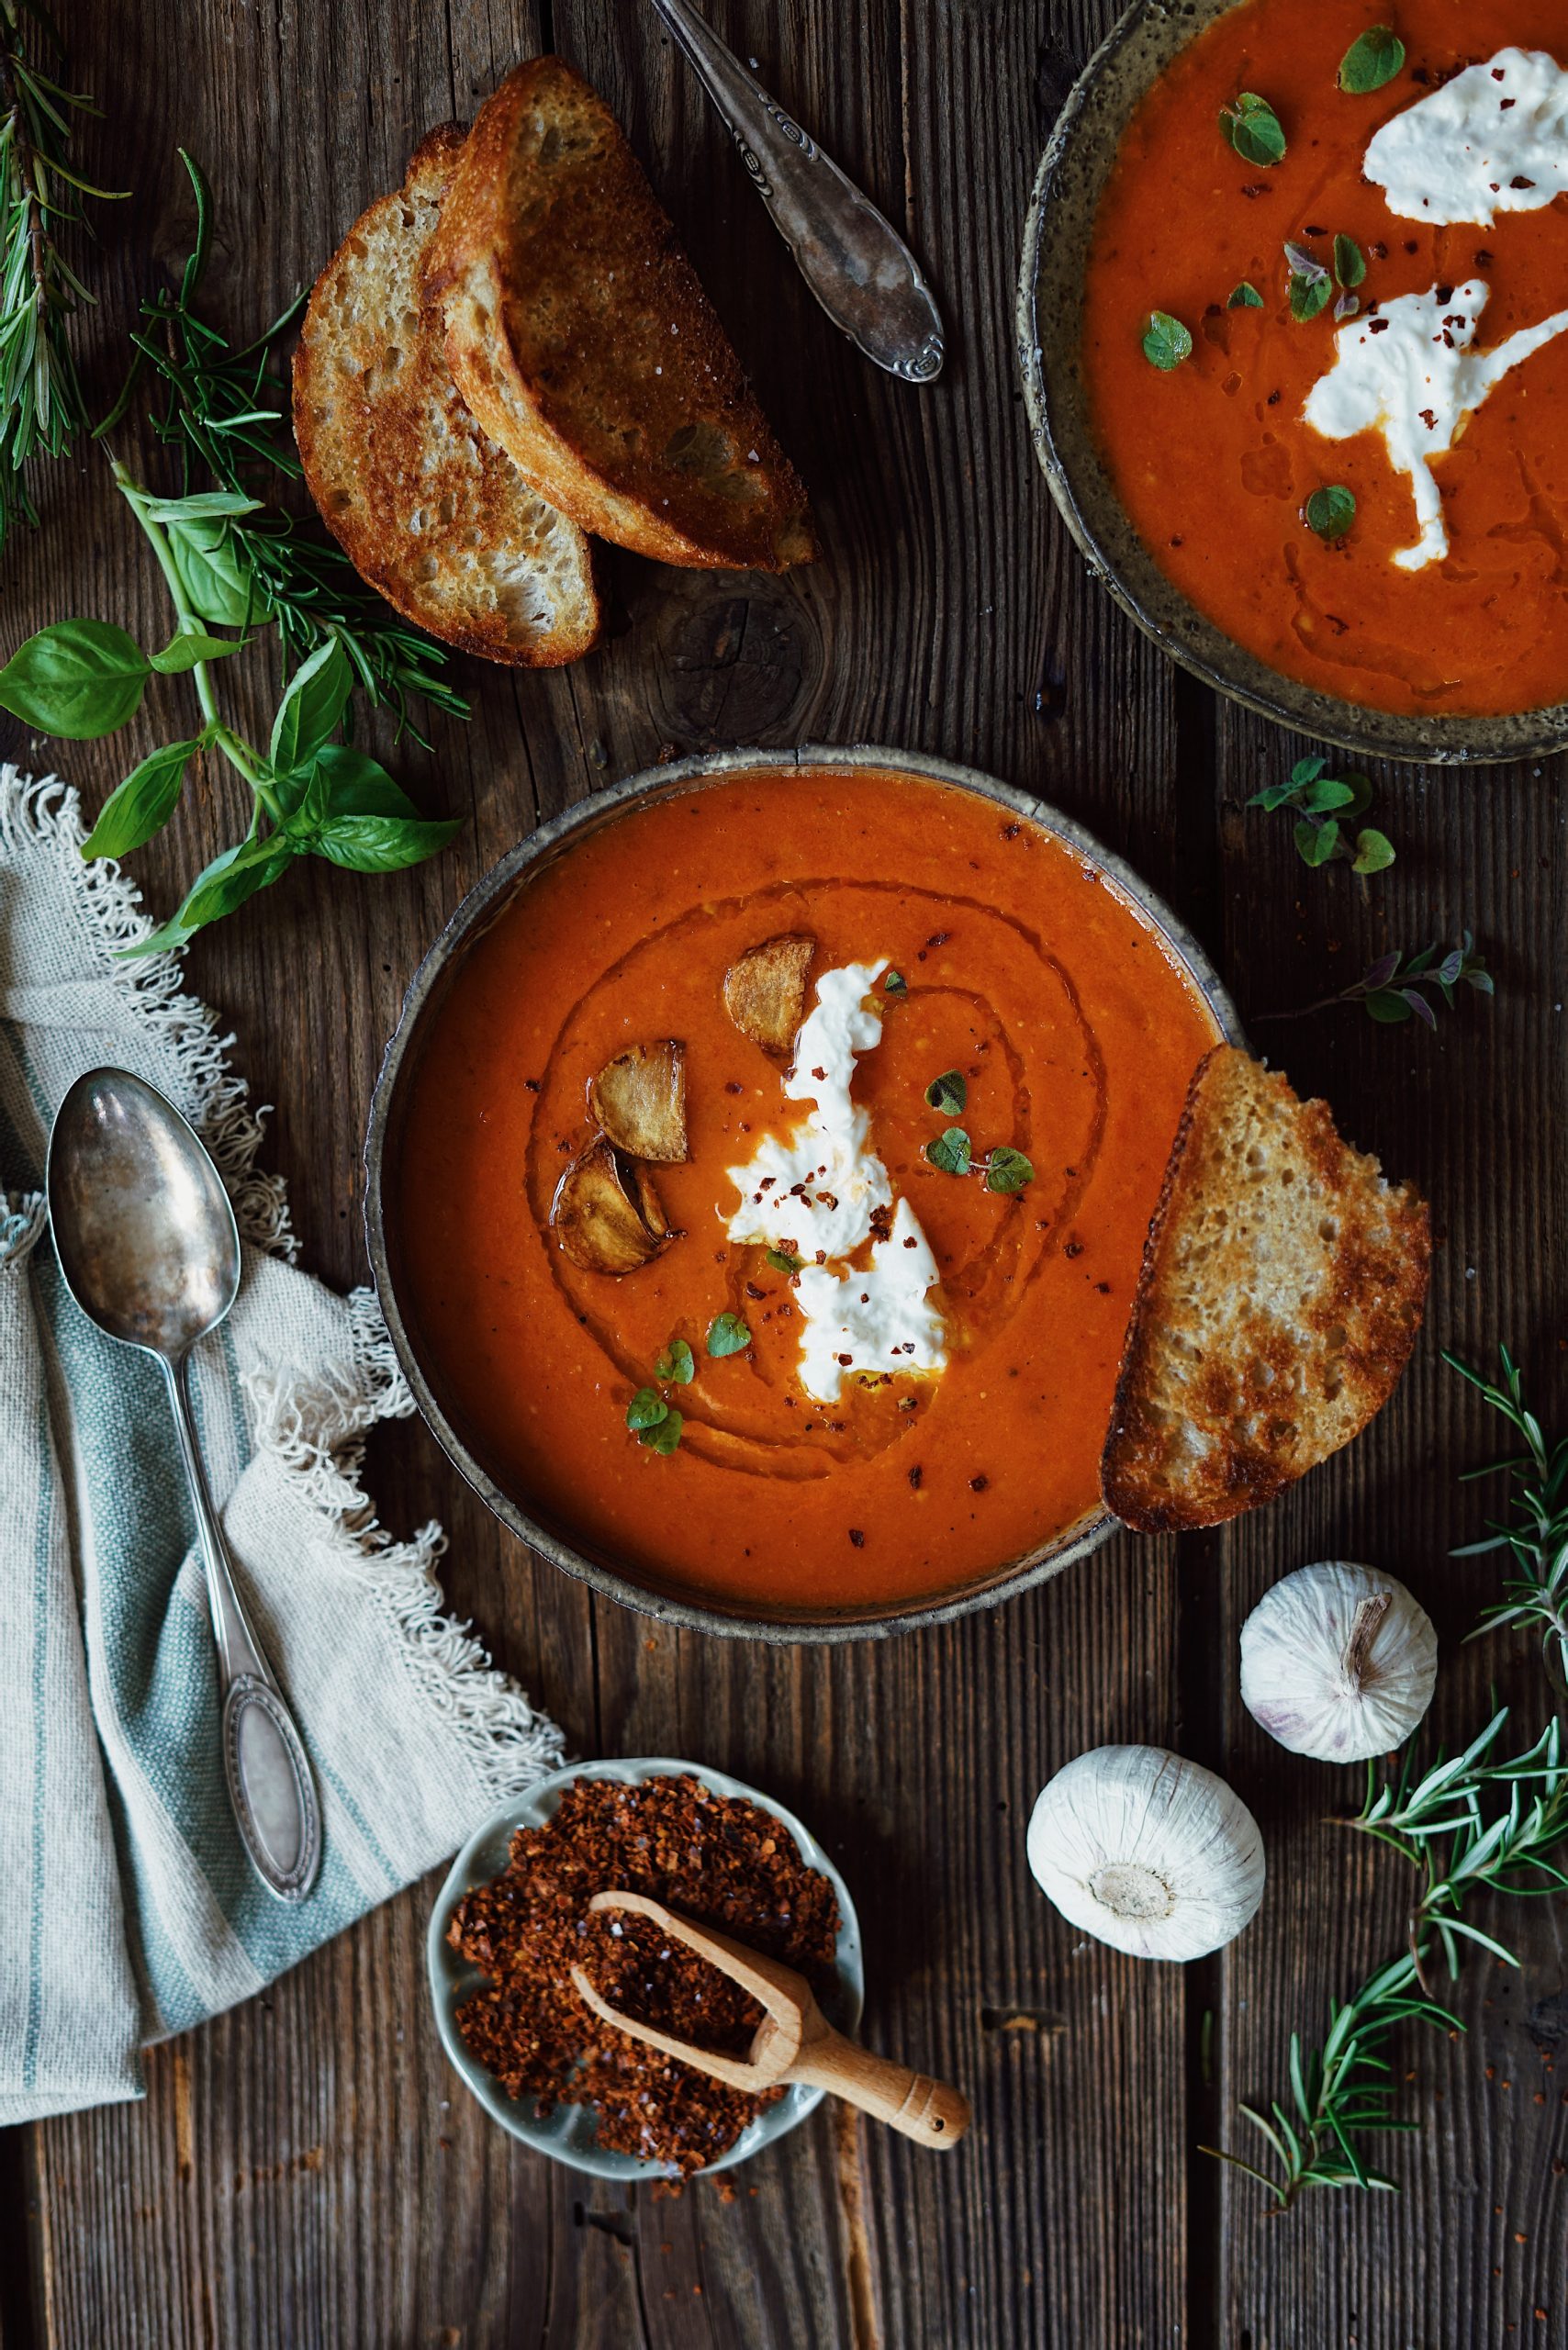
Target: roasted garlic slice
639,1101
598,1222
765,992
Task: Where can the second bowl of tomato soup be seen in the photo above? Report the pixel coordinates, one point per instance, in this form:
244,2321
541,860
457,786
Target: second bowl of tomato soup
760,1177
1295,326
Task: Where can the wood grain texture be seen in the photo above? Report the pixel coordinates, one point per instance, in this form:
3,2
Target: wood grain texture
308,2171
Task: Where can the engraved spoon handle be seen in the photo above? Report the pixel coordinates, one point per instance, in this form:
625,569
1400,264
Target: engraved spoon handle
854,260
270,1780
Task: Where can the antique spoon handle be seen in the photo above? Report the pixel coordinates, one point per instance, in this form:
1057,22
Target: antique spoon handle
854,260
270,1782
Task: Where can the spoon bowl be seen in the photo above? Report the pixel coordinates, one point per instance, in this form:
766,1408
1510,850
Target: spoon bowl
149,1250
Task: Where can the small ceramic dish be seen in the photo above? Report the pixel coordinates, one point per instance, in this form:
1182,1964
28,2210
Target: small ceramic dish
569,2134
1058,234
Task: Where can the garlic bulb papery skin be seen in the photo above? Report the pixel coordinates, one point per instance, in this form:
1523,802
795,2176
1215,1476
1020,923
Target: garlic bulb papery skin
1338,1662
1149,1853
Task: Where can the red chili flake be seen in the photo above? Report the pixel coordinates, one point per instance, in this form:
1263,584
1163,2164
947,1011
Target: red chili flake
979,1484
1011,831
881,1224
1519,180
857,1537
733,1085
915,1477
1379,325
718,1859
531,1084
752,1290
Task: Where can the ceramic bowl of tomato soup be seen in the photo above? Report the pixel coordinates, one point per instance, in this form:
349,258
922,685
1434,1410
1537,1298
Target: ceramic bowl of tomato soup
1294,317
759,1178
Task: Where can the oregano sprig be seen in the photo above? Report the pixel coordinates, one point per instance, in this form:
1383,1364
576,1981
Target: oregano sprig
1324,806
1394,988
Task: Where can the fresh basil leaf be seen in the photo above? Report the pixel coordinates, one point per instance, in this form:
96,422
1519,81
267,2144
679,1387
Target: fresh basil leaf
727,1335
201,506
664,1435
950,1151
1388,1008
314,700
947,1093
381,843
1350,261
646,1409
1252,127
675,1364
358,785
1166,342
219,888
782,1262
894,983
1374,852
1371,60
1317,843
1330,510
1309,294
1007,1170
188,646
142,804
213,573
1244,297
79,679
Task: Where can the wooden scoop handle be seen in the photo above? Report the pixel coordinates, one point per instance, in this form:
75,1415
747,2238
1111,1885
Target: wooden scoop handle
929,2111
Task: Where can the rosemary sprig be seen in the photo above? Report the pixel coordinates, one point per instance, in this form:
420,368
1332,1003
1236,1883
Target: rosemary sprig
1392,989
1537,1537
1471,1823
224,411
42,407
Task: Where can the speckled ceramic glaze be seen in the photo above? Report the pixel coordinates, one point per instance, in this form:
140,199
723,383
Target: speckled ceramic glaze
1072,173
570,2134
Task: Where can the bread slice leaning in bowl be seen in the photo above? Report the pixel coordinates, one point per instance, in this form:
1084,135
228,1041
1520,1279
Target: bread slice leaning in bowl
1283,1287
424,503
580,336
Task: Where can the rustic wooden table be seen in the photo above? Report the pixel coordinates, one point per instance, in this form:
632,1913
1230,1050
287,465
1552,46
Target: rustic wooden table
308,2170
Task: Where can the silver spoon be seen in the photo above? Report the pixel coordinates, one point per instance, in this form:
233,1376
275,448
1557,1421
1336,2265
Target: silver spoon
854,260
149,1248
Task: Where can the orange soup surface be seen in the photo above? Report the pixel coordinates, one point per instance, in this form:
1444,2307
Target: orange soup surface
1026,970
1214,459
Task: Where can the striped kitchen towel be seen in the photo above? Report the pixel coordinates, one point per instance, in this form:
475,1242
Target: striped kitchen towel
130,1909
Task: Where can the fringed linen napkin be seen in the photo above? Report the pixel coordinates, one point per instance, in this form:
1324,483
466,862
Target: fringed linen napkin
129,1909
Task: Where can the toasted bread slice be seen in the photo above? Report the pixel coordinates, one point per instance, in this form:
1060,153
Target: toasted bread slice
422,502
1282,1290
584,343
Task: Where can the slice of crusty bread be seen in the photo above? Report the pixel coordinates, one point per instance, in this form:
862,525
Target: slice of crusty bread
582,340
1282,1290
424,505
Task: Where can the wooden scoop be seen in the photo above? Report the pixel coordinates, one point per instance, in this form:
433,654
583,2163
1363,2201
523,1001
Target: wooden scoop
794,2040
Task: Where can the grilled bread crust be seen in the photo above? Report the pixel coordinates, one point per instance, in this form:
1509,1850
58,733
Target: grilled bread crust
424,503
580,336
1282,1286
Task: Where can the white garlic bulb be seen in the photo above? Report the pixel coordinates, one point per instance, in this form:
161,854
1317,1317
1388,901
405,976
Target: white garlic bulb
1151,1853
1338,1662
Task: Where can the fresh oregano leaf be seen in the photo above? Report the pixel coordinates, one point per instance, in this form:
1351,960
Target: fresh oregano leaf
142,804
79,679
950,1151
1166,342
782,1262
1375,851
381,843
894,983
646,1409
1371,60
188,646
947,1093
1327,795
665,1435
1330,510
1007,1170
675,1364
1309,294
1317,843
1388,1008
1251,124
1350,261
1244,297
727,1335
313,702
1346,307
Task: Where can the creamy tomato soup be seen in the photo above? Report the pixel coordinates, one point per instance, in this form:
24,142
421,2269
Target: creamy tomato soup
920,1367
1438,400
